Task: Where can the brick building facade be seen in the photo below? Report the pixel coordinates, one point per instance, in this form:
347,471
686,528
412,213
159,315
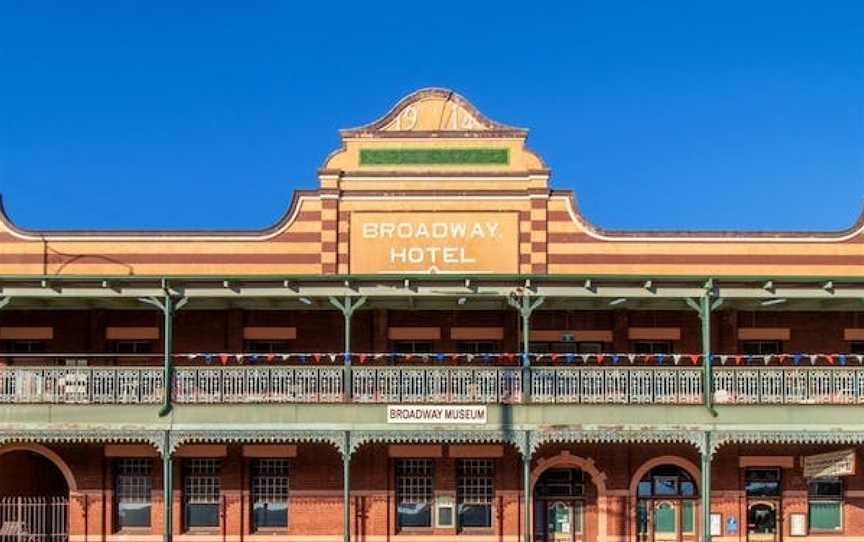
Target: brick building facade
433,345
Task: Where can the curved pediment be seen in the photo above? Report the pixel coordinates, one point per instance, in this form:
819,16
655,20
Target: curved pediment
432,111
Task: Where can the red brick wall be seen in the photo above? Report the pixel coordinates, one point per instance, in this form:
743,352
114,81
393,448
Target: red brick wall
316,484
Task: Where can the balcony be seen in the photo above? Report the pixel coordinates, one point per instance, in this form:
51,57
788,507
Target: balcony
496,379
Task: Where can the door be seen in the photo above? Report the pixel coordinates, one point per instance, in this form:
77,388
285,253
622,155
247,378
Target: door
762,521
666,524
563,521
666,520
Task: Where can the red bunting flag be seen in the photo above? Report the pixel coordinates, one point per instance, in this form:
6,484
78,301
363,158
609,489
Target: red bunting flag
317,357
554,357
600,358
361,358
269,358
223,359
694,358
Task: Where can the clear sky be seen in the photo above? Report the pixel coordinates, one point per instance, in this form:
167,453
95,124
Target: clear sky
670,115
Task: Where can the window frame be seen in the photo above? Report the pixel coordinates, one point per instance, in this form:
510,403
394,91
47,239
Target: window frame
479,483
762,347
414,347
665,347
415,478
135,346
839,499
215,477
132,471
256,477
266,346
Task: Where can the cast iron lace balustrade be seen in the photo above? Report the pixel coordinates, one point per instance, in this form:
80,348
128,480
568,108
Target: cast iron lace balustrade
431,379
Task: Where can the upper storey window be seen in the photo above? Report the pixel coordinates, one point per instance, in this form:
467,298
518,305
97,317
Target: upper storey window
761,348
26,346
652,347
131,347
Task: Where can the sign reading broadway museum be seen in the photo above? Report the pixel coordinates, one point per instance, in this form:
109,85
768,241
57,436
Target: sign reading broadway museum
436,414
444,241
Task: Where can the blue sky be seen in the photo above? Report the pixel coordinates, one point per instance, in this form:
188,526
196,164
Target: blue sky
688,115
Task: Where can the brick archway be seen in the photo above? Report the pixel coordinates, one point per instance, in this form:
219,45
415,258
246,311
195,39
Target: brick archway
47,453
598,478
685,464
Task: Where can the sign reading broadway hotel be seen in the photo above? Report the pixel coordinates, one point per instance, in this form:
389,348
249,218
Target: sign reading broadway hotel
435,414
396,242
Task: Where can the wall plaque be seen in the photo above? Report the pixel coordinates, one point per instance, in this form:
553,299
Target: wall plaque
434,242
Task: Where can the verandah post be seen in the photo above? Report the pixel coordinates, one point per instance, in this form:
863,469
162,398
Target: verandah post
346,488
167,489
526,487
704,307
347,308
706,488
526,306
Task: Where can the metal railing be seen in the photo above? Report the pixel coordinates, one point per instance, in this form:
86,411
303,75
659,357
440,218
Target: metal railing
34,519
437,385
82,385
788,385
444,383
621,385
277,384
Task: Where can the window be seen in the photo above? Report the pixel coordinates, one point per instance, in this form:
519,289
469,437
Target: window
652,347
131,347
202,490
762,482
825,504
267,347
761,348
412,347
856,347
475,492
561,483
414,488
27,347
476,347
568,347
269,493
132,486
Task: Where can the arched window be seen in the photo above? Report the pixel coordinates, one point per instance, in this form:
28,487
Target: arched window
667,497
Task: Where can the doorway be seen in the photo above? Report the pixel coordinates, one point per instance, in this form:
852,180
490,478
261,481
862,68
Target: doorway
563,498
763,489
34,499
666,506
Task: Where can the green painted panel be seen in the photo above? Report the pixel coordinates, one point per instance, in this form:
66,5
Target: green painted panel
664,518
825,516
397,157
687,519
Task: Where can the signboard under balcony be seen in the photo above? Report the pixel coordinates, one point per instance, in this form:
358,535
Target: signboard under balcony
437,414
829,465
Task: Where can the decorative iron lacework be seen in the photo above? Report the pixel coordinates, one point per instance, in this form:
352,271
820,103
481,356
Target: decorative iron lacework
514,438
484,156
153,438
694,438
178,438
720,438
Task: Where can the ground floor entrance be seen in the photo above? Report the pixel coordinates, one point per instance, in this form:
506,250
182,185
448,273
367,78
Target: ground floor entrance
34,499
